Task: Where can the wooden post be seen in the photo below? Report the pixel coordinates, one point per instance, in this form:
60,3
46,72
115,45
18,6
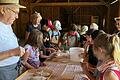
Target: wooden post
29,9
108,19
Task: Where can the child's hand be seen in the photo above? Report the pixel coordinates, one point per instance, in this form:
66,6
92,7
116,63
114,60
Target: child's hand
52,50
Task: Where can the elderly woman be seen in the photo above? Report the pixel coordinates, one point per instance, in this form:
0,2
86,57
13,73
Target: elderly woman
9,49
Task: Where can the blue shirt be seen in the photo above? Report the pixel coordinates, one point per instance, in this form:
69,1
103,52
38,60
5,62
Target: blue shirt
54,36
8,41
30,27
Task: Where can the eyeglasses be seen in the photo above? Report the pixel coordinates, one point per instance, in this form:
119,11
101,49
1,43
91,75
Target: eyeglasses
13,11
117,19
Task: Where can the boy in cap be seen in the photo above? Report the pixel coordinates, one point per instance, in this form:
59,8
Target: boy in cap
71,38
55,34
9,50
46,26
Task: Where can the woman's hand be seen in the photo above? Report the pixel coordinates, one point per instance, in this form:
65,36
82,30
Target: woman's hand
22,51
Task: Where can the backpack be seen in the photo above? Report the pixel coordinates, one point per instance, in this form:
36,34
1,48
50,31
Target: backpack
75,34
55,38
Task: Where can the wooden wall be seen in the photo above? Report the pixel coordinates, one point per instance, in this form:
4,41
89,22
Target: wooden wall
114,12
67,15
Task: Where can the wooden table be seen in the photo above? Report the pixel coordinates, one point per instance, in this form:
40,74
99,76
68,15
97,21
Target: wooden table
63,69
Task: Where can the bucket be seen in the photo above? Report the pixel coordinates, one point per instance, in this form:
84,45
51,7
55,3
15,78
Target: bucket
75,54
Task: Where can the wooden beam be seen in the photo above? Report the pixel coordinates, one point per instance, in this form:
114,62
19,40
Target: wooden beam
67,4
108,20
114,2
105,3
76,10
37,1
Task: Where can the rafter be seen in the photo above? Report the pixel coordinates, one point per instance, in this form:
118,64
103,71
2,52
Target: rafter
114,2
76,10
37,1
67,4
105,3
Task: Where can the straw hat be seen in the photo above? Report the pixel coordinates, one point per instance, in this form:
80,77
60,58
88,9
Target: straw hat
50,24
94,26
11,2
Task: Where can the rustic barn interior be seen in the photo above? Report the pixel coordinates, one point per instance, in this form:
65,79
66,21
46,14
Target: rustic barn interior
82,12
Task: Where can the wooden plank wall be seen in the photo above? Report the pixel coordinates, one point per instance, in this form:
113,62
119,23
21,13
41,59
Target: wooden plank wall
78,15
114,12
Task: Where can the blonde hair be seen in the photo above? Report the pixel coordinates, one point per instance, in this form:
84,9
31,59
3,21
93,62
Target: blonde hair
116,52
35,16
111,45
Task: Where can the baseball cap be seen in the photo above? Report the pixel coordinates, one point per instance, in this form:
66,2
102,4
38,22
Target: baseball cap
50,25
57,24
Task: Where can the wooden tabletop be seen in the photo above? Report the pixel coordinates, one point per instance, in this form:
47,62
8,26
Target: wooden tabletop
62,69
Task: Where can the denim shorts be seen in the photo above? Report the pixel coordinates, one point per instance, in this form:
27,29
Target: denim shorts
9,72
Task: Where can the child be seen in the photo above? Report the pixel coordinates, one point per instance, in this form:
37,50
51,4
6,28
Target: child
45,28
106,48
31,58
55,34
71,38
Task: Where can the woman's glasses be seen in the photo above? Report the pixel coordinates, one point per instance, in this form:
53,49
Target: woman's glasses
15,12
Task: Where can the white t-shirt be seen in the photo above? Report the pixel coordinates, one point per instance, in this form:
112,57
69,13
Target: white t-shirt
8,40
34,54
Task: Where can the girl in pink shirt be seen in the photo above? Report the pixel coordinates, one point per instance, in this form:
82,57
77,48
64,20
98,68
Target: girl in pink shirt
31,57
106,48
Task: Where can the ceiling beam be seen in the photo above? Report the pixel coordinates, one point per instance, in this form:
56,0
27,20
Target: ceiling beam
76,10
67,4
114,1
105,3
37,1
68,1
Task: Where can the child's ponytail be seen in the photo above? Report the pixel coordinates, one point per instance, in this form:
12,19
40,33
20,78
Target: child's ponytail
116,51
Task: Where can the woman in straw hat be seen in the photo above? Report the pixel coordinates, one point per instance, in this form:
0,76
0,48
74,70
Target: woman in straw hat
10,51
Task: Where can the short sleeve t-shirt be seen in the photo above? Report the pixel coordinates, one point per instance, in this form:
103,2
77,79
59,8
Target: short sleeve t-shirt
34,54
8,40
